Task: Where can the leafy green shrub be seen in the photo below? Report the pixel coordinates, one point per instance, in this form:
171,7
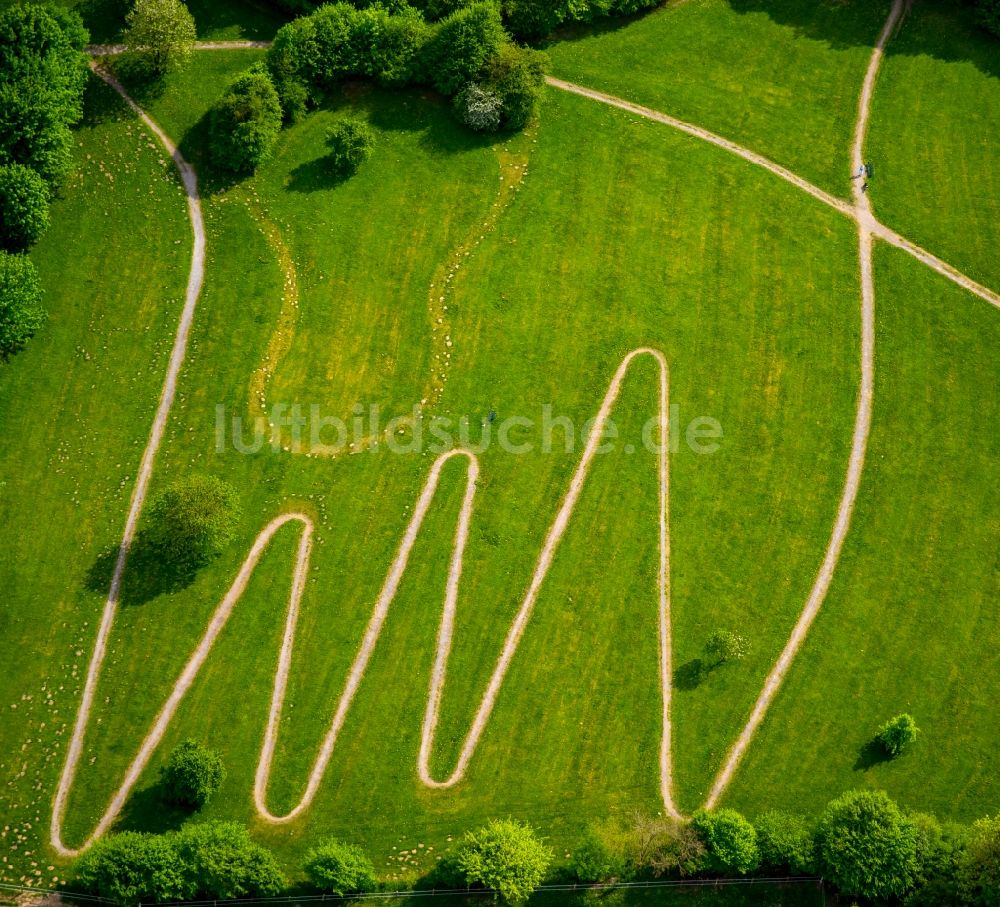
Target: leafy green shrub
462,44
351,143
389,45
506,857
516,75
42,77
785,843
132,866
192,521
897,734
979,864
245,122
731,840
598,857
160,35
220,860
21,312
333,29
192,774
866,846
24,207
725,645
338,868
213,860
531,19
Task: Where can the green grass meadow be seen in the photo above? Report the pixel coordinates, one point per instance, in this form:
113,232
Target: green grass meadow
592,234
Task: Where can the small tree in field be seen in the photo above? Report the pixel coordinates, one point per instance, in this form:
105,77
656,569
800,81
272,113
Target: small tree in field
351,143
193,773
725,645
160,34
897,734
338,868
245,122
24,207
192,521
21,312
505,856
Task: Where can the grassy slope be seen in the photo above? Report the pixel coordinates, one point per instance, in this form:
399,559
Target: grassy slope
781,78
910,624
76,407
933,138
538,318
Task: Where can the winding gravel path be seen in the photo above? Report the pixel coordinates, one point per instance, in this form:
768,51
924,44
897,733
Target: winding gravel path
868,227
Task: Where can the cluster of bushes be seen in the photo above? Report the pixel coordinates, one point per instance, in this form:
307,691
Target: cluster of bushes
467,56
523,18
219,860
397,47
42,77
863,843
210,860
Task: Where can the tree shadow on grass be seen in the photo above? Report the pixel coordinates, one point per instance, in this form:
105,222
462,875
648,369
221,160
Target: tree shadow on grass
148,810
147,574
315,175
690,674
871,754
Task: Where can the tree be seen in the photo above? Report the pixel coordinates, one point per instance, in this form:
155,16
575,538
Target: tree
351,143
192,774
724,646
43,46
479,108
338,868
530,19
221,860
132,866
192,521
731,840
598,856
245,122
505,856
979,865
785,842
389,44
462,44
897,734
867,846
33,132
21,312
160,34
24,207
516,75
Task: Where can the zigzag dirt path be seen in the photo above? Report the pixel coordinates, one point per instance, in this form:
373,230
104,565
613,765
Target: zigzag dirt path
868,227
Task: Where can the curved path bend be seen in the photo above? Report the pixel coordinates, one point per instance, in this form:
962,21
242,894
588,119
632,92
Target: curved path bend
868,227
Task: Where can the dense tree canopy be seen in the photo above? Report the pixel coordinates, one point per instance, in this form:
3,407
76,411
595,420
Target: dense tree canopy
21,312
160,34
867,846
785,843
337,868
192,520
731,840
245,122
24,207
505,856
191,775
